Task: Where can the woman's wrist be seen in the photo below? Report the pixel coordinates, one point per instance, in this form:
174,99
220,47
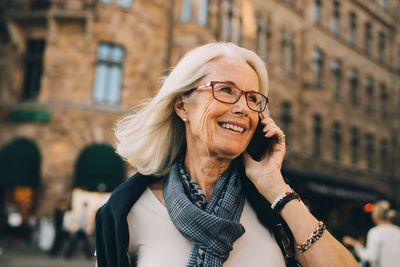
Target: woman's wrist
272,186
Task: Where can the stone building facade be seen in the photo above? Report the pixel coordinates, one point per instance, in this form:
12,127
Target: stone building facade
70,69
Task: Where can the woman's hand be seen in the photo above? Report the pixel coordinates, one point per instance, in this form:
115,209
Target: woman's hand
266,174
349,241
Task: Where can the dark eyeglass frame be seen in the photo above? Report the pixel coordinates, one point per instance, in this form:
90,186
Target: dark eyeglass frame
242,92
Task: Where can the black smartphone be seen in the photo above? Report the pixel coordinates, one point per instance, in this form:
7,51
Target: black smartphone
260,146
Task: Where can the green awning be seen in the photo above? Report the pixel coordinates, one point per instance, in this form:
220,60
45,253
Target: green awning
99,168
20,164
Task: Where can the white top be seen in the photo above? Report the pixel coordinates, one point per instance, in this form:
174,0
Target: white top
383,246
159,243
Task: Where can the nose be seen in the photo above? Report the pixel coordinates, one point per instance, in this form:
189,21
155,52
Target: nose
240,107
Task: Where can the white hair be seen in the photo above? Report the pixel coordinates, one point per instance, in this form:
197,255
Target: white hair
153,137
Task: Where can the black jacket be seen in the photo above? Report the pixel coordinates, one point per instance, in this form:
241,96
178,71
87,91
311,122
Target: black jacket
112,235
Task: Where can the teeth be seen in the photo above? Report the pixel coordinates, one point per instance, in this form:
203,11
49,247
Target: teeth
232,127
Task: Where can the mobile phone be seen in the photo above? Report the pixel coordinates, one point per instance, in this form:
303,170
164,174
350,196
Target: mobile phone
260,146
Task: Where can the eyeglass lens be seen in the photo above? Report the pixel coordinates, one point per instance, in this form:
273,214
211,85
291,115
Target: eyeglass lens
230,94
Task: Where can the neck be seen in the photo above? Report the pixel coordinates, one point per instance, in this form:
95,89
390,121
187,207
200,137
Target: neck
205,170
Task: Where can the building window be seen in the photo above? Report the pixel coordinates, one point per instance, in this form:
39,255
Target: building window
317,11
336,68
186,11
369,90
384,102
335,22
384,155
370,150
121,3
336,140
286,119
33,69
352,28
202,11
353,85
124,3
382,47
367,38
355,143
318,65
317,134
287,48
202,17
384,5
231,22
107,85
263,38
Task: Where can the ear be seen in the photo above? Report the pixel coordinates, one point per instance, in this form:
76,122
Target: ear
180,108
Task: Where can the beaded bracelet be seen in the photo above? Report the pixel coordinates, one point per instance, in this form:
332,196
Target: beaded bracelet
280,197
314,236
289,196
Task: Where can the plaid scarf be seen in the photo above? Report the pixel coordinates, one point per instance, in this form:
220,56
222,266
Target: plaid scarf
213,226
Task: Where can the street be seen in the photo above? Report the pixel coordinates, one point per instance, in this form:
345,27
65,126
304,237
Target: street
24,255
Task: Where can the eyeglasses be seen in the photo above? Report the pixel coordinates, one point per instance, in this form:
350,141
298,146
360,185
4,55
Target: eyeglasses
227,92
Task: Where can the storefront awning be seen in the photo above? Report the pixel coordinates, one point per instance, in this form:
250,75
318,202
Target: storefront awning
331,185
99,168
20,164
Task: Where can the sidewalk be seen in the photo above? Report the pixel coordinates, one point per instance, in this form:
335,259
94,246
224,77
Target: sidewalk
22,255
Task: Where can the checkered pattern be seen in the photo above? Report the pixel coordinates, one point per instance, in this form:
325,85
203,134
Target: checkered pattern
213,226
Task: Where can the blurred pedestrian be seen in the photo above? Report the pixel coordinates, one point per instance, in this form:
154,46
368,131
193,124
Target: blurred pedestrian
383,240
81,235
61,234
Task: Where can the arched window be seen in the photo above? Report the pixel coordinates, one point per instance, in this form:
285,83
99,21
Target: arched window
370,96
335,22
287,48
336,69
336,141
353,86
263,37
317,134
318,65
367,38
382,47
384,101
286,119
355,144
317,11
352,27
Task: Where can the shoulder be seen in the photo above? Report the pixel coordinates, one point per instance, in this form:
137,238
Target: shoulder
125,195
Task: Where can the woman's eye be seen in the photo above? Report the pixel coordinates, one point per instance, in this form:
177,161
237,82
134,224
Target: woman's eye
226,89
252,98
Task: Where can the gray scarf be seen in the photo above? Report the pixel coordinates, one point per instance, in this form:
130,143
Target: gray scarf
212,227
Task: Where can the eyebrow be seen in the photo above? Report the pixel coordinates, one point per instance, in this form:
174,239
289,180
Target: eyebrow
230,82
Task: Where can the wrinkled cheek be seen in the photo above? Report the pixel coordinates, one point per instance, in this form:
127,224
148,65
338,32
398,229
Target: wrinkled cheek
207,125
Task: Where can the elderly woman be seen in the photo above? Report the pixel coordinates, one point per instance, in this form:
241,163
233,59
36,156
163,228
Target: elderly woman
198,198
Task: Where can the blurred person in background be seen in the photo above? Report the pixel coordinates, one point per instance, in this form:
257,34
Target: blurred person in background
382,248
199,198
61,234
80,234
